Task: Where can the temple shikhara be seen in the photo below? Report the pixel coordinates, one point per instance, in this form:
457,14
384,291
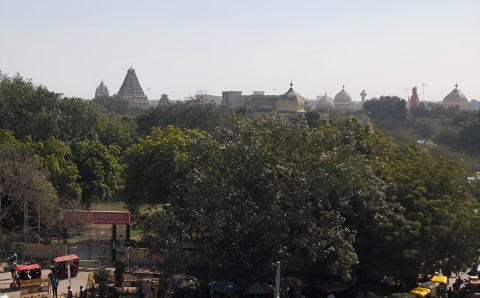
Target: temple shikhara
132,91
101,90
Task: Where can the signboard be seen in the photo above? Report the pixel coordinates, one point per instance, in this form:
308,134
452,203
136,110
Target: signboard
98,217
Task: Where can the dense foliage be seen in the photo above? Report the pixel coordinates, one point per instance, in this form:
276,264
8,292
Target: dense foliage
334,198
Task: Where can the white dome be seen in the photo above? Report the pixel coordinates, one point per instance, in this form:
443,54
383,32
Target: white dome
455,98
291,101
325,102
343,96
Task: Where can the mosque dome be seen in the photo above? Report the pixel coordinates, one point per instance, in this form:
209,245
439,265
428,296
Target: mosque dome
455,98
325,102
342,97
291,101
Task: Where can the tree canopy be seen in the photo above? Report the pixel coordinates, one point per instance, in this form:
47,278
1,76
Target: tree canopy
335,195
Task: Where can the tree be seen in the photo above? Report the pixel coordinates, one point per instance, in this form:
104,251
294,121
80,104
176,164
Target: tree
55,158
27,109
116,105
151,165
99,171
391,108
79,120
469,138
22,185
30,110
116,129
426,128
189,114
434,211
251,195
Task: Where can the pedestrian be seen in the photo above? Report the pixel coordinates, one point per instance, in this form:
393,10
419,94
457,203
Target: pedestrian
83,294
54,286
69,293
450,293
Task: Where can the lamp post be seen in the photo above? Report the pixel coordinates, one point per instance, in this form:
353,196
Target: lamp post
423,91
406,93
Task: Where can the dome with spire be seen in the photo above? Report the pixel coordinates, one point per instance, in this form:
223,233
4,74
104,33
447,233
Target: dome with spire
342,97
455,98
291,101
325,102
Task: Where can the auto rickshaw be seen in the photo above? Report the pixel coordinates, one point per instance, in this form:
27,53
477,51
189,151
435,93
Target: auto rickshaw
420,292
61,267
472,287
26,272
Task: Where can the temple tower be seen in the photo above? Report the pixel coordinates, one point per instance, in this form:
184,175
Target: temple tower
101,90
132,91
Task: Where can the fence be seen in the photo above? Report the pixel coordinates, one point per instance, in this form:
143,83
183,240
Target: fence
26,257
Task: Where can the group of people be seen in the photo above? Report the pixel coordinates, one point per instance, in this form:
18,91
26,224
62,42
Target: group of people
55,282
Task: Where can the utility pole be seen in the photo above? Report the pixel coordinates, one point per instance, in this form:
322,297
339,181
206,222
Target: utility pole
277,281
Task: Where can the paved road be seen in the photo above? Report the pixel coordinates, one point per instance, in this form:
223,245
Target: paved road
76,282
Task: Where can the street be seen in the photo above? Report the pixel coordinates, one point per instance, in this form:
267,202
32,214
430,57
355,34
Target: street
76,282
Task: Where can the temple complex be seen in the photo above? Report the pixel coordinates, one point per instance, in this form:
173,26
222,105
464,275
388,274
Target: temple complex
101,90
288,105
132,91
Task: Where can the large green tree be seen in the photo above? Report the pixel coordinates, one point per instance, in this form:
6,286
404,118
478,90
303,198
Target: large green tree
151,165
56,158
329,196
182,114
117,129
30,110
99,170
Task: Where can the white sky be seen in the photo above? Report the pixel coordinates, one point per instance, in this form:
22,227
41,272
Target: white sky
179,47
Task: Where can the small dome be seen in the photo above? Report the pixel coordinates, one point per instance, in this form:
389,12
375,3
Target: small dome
456,97
325,102
343,96
291,101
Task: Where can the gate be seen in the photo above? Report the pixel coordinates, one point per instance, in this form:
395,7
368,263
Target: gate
97,249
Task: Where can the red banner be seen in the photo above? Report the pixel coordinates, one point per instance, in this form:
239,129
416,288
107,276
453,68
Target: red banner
98,217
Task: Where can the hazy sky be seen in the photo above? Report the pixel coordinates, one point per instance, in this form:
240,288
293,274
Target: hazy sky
178,47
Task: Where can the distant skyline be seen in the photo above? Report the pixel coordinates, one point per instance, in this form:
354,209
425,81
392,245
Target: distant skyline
180,47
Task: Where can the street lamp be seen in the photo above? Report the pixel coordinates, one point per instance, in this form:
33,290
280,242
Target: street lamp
406,93
423,91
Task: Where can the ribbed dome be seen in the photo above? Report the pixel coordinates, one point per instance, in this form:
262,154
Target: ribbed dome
456,97
343,96
325,102
291,101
